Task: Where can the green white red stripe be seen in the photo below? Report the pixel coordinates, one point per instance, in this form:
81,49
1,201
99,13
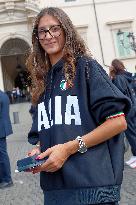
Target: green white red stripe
115,115
64,85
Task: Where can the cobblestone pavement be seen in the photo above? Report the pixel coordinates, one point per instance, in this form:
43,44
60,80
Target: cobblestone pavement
26,189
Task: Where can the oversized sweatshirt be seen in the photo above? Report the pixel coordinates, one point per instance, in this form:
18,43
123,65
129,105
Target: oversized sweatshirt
62,114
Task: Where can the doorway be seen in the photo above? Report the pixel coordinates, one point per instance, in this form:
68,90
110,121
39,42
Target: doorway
13,57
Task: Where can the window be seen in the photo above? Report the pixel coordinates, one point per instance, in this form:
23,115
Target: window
123,51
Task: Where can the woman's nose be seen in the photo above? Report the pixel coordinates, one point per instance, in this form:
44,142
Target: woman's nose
48,35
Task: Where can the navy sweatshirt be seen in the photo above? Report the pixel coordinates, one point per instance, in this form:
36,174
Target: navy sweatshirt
62,114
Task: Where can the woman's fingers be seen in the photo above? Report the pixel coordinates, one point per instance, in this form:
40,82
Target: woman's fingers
36,170
57,156
49,165
44,154
33,152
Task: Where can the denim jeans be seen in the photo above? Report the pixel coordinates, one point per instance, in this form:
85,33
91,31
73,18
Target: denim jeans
112,203
5,171
104,204
116,203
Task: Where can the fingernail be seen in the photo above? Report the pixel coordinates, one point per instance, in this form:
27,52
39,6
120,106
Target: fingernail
38,157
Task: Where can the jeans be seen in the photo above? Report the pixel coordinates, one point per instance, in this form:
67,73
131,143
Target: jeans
114,203
5,170
46,203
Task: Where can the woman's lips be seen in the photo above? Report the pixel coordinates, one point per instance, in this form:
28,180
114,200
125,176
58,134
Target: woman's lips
49,44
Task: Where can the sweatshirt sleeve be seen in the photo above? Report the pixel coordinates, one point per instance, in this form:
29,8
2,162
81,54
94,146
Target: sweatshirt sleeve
33,136
105,98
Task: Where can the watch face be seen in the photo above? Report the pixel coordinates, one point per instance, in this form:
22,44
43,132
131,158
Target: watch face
82,146
83,149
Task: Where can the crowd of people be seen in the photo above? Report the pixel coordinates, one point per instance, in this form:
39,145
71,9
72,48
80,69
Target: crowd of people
17,95
80,116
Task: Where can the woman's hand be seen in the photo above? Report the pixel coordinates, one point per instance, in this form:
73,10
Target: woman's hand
57,155
35,150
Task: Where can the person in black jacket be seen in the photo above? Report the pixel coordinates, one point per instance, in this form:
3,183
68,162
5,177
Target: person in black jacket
5,130
134,84
78,117
123,80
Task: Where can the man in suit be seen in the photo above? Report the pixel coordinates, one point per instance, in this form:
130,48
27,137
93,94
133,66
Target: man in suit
5,130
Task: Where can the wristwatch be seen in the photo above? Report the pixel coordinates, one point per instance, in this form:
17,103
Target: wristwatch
82,146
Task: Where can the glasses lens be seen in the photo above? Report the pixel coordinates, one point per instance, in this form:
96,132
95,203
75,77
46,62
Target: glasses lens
41,34
55,30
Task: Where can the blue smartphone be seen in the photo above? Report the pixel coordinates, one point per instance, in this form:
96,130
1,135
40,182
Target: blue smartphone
29,162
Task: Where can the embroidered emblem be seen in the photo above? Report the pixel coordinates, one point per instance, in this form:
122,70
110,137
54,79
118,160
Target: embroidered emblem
64,85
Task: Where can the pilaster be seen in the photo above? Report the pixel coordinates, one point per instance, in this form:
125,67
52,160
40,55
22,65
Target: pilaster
1,77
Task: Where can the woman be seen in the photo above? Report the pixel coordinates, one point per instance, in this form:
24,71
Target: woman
78,111
123,80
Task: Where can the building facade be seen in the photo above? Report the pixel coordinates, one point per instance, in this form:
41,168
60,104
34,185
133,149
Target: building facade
98,21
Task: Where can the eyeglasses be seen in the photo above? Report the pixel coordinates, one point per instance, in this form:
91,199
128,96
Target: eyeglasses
54,31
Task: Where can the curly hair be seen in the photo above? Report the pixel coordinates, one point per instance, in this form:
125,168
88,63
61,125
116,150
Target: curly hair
117,67
38,63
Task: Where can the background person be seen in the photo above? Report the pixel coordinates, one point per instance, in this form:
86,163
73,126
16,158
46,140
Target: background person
9,94
78,111
18,94
5,130
123,80
14,95
134,84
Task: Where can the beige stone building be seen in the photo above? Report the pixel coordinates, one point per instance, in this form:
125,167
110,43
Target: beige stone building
98,21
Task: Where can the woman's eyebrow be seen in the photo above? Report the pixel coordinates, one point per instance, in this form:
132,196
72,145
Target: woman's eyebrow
48,26
43,27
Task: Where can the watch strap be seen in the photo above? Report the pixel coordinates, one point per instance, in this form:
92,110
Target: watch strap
82,145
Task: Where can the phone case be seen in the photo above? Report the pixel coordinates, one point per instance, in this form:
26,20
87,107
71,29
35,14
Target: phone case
29,162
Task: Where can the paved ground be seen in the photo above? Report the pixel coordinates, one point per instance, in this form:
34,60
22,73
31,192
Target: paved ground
26,189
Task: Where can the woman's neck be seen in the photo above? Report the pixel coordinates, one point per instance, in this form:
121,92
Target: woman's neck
55,58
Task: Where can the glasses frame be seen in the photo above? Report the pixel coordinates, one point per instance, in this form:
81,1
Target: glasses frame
47,31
